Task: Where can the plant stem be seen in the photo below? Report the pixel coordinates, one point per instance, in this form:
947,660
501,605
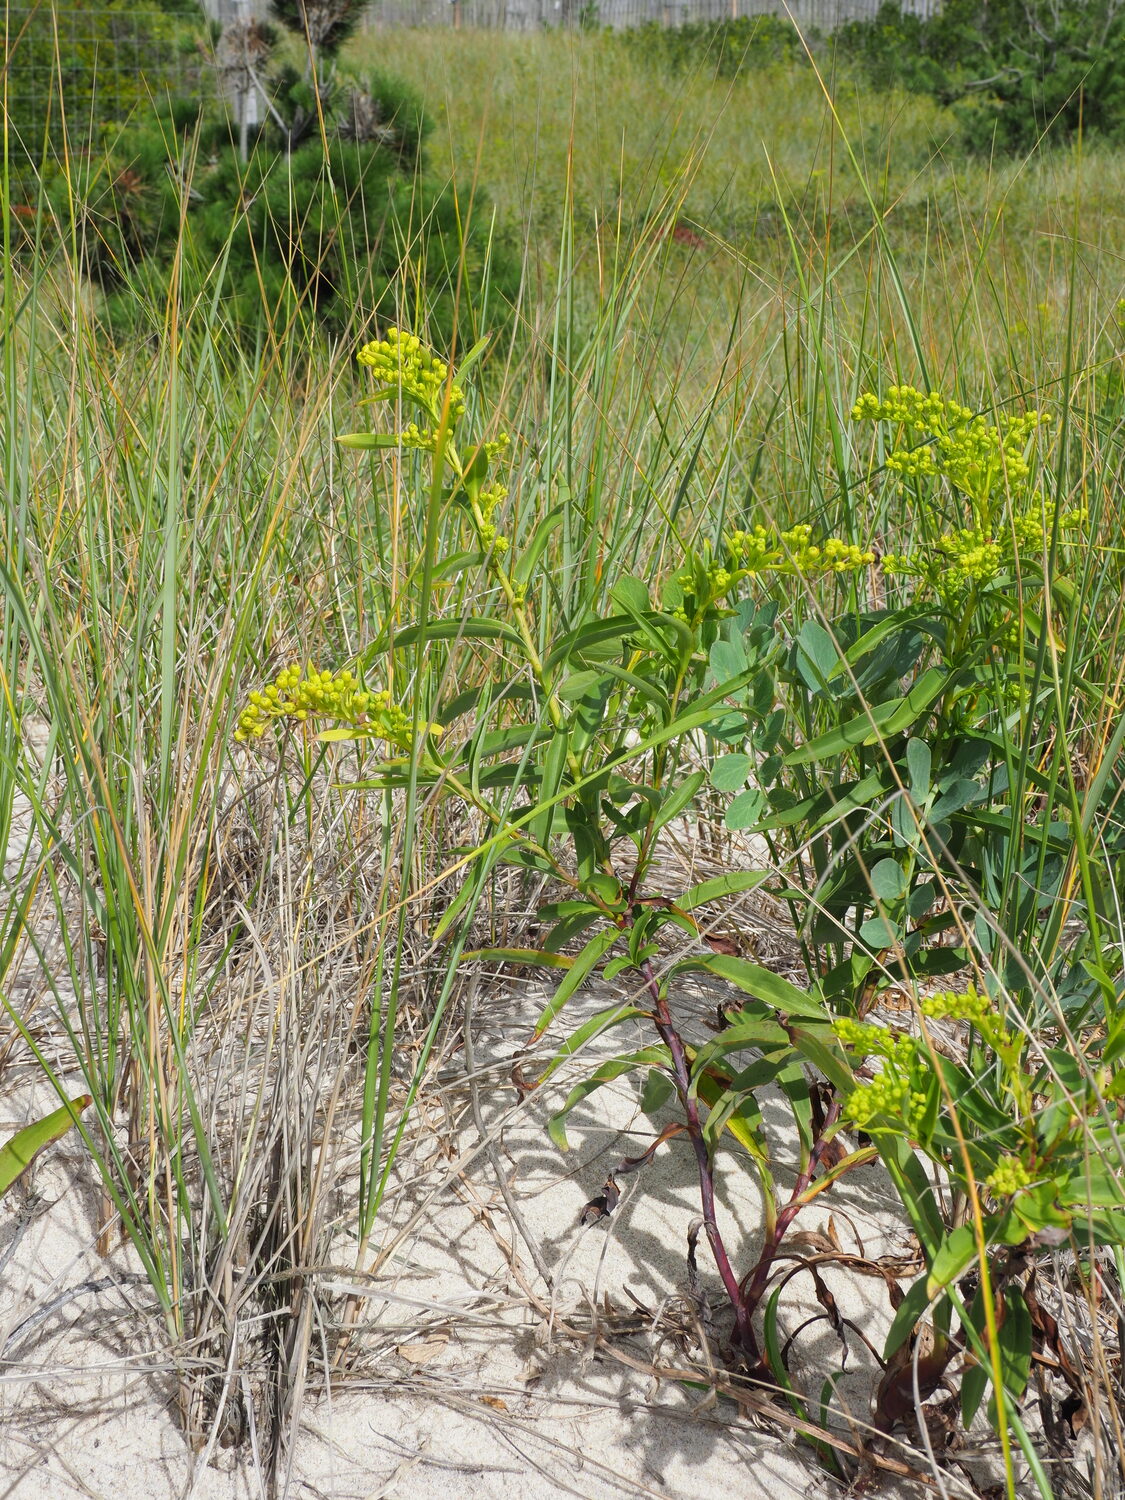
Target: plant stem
681,1073
754,1285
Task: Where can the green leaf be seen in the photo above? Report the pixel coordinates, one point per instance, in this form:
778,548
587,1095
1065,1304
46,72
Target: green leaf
956,1253
817,655
722,885
647,688
459,562
910,1309
959,793
1014,1340
902,622
554,769
918,763
368,440
888,881
572,924
744,1123
749,1031
536,545
1093,1184
729,772
881,721
832,805
581,969
534,957
728,659
467,361
745,811
657,1091
879,933
606,887
595,636
915,1191
752,979
613,1015
679,800
616,1067
615,966
350,732
631,594
454,909
448,630
794,1085
825,1054
21,1149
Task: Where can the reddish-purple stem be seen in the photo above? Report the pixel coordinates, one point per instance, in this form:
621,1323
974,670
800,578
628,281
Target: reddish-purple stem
753,1286
745,1295
682,1077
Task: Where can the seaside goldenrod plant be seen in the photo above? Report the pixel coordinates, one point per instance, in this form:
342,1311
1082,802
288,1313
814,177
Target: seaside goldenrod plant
586,749
867,749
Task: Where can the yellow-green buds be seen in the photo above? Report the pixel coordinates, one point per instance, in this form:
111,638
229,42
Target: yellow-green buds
403,366
338,696
1009,1178
990,464
940,437
791,551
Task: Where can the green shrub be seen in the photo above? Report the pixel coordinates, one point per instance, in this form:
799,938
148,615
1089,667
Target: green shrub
1013,72
86,67
727,47
319,208
315,229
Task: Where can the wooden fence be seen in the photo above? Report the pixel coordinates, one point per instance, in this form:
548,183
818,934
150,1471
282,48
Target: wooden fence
534,15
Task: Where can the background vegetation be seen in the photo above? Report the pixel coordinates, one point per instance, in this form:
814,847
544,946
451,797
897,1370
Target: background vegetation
715,264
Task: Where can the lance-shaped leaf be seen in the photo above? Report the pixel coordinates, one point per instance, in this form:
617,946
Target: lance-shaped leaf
881,721
534,957
616,1067
763,984
719,886
21,1150
580,970
613,1015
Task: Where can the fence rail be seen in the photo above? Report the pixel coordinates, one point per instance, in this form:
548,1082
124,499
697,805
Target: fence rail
534,15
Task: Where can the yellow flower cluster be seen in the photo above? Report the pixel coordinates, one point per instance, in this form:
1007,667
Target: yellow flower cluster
1009,1177
989,463
489,497
979,1010
413,436
948,439
892,1092
888,1094
955,1005
792,551
1031,529
491,539
337,696
964,557
709,578
875,1041
402,365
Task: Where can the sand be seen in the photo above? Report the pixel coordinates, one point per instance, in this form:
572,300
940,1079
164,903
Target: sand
469,1375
